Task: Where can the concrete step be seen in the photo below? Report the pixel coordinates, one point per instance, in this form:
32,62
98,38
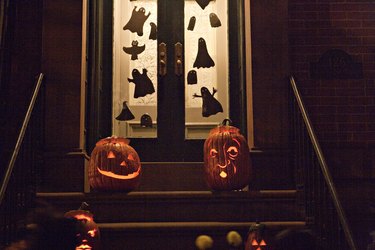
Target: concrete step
182,206
181,235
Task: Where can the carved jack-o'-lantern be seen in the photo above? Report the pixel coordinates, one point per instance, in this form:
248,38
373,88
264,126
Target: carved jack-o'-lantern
256,238
88,234
226,159
114,165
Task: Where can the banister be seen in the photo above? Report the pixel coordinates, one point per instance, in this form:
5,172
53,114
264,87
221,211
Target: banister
21,135
323,166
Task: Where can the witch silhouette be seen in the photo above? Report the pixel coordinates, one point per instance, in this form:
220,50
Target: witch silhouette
143,84
210,105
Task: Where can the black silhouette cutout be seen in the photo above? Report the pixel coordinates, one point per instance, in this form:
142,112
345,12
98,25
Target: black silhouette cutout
153,32
214,20
125,114
203,59
136,21
192,77
203,3
210,105
146,121
134,50
192,23
143,84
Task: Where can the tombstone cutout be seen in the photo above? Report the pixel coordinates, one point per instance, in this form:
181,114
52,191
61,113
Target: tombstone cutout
192,77
125,114
192,23
143,84
210,105
137,20
214,20
203,59
134,50
153,31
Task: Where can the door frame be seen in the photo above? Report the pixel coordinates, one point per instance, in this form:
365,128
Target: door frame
98,105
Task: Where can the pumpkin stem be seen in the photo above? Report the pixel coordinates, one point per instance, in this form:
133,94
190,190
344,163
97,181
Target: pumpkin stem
226,121
84,206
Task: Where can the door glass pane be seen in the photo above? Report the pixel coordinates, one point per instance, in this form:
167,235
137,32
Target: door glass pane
134,68
206,66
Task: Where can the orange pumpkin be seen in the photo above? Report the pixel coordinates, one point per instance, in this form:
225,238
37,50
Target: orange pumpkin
88,234
226,158
114,165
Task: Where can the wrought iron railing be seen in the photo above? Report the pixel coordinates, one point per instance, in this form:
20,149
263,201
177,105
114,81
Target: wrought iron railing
18,186
317,192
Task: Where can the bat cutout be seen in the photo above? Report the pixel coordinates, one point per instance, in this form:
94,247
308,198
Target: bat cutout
210,105
143,84
192,77
134,50
192,23
153,32
136,21
203,59
125,114
203,3
214,20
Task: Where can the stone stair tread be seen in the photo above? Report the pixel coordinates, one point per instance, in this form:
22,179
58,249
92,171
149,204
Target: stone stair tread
197,224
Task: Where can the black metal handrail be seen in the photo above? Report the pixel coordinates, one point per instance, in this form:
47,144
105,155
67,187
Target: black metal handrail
322,204
18,185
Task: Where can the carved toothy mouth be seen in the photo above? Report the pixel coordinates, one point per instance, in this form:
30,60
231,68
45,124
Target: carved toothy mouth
118,176
83,246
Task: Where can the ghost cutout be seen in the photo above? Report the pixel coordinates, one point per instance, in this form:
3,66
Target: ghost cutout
210,105
203,59
134,50
214,20
136,21
153,31
192,77
192,23
125,114
203,3
143,84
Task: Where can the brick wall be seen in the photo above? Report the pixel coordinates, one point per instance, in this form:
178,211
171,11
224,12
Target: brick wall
342,111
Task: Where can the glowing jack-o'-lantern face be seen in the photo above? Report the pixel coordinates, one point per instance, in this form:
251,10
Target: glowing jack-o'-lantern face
226,159
256,238
114,165
88,234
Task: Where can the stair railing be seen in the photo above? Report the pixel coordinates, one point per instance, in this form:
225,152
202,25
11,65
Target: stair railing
18,186
316,191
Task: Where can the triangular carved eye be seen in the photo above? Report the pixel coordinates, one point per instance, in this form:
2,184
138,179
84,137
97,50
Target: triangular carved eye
254,243
123,163
130,157
263,243
111,155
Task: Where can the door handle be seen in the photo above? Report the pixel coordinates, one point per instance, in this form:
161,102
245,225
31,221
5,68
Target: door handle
178,59
162,59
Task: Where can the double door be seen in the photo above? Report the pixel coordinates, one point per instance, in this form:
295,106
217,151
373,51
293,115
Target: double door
176,73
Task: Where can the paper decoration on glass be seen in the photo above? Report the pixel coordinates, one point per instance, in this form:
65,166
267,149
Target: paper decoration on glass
210,106
134,50
137,20
125,114
143,84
